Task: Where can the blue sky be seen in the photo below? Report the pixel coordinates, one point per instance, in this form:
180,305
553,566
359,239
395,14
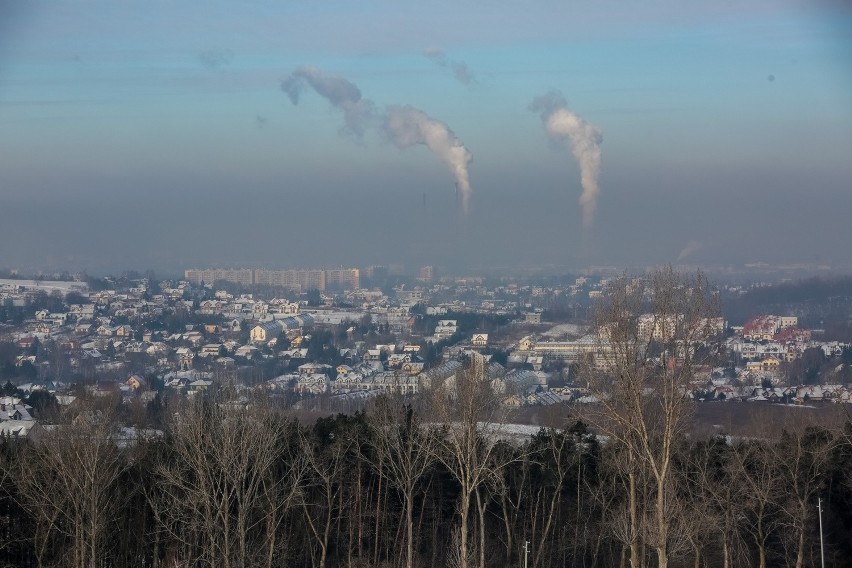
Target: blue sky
155,134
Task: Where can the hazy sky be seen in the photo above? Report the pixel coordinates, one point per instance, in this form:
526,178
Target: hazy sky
157,134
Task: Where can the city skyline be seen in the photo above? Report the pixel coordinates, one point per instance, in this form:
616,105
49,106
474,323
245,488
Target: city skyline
163,136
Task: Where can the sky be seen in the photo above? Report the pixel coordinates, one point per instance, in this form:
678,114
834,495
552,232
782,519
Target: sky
464,134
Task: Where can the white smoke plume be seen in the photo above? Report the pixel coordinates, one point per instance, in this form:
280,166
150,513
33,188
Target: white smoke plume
690,248
562,124
407,126
461,71
358,112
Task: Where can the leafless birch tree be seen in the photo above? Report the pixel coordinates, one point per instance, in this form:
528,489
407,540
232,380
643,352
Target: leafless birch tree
406,445
755,469
471,414
651,333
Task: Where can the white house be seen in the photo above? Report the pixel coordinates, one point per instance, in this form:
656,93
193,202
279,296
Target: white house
445,329
479,340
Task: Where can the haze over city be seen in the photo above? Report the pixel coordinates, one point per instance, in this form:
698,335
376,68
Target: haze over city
168,135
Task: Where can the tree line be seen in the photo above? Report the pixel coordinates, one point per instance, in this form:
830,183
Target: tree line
244,485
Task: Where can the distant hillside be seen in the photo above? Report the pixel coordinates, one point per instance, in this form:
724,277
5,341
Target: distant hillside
816,301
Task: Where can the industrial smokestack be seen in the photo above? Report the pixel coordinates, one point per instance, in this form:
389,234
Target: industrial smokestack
562,124
358,112
407,126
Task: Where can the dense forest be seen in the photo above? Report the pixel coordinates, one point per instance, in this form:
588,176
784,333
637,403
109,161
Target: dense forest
242,484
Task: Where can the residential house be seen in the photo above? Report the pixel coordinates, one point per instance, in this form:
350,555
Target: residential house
247,351
350,355
12,409
185,357
412,368
311,383
265,332
82,312
106,331
136,382
397,360
195,338
199,385
211,349
373,355
314,369
445,329
300,353
21,429
278,306
151,336
84,328
259,310
124,331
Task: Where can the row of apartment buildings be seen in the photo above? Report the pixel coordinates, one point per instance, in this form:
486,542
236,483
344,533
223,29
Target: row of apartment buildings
298,279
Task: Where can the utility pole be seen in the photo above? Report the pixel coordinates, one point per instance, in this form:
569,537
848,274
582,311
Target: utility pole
527,552
821,548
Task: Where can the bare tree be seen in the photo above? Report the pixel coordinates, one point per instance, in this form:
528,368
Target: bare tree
753,466
610,494
621,497
406,446
220,489
557,454
512,487
325,463
718,496
471,415
68,482
651,333
802,458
